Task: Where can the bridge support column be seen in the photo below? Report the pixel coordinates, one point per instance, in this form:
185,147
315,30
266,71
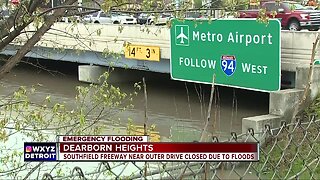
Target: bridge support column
92,73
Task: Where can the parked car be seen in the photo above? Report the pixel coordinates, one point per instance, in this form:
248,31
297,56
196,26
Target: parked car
99,17
194,15
71,19
312,7
122,18
293,15
88,18
142,18
159,20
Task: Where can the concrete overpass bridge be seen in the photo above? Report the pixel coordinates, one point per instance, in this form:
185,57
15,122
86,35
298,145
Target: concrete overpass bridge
98,46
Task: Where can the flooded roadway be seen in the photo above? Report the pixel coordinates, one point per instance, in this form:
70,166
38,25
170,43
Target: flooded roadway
178,109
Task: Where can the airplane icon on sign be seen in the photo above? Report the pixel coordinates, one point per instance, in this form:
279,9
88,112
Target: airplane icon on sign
182,36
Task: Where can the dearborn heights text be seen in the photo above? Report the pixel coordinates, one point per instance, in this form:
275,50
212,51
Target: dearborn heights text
103,147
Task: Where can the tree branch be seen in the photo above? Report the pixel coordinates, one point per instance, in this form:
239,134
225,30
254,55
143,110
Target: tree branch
67,7
12,35
50,20
11,20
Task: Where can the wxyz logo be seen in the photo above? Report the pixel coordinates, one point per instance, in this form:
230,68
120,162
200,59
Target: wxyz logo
44,149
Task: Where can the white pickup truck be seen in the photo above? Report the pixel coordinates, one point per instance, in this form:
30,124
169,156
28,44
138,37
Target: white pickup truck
113,18
120,18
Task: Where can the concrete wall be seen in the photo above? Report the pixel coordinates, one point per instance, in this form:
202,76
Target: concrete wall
295,46
99,38
284,103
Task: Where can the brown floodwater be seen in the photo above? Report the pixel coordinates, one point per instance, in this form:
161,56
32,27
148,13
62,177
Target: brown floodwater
178,109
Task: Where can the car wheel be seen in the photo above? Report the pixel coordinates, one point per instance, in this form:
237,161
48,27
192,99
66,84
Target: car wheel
116,22
314,29
97,22
294,26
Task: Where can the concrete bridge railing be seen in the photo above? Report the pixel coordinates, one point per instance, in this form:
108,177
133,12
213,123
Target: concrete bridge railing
101,38
295,46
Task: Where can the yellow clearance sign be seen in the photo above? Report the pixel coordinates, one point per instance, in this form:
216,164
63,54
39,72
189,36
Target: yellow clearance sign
149,53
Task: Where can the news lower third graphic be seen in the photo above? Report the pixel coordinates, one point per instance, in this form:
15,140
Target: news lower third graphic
42,151
135,148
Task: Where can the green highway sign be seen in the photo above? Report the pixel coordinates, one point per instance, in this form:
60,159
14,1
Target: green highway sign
241,53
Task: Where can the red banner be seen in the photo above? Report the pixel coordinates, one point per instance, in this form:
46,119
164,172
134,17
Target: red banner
159,147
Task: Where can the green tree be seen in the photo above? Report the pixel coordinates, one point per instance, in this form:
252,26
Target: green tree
197,3
217,4
233,5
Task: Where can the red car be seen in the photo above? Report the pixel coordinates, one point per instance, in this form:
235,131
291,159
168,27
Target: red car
293,15
15,2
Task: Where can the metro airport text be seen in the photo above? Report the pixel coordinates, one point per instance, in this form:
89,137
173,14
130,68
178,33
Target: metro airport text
233,37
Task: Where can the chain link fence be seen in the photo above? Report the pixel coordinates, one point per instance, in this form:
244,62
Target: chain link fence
291,151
